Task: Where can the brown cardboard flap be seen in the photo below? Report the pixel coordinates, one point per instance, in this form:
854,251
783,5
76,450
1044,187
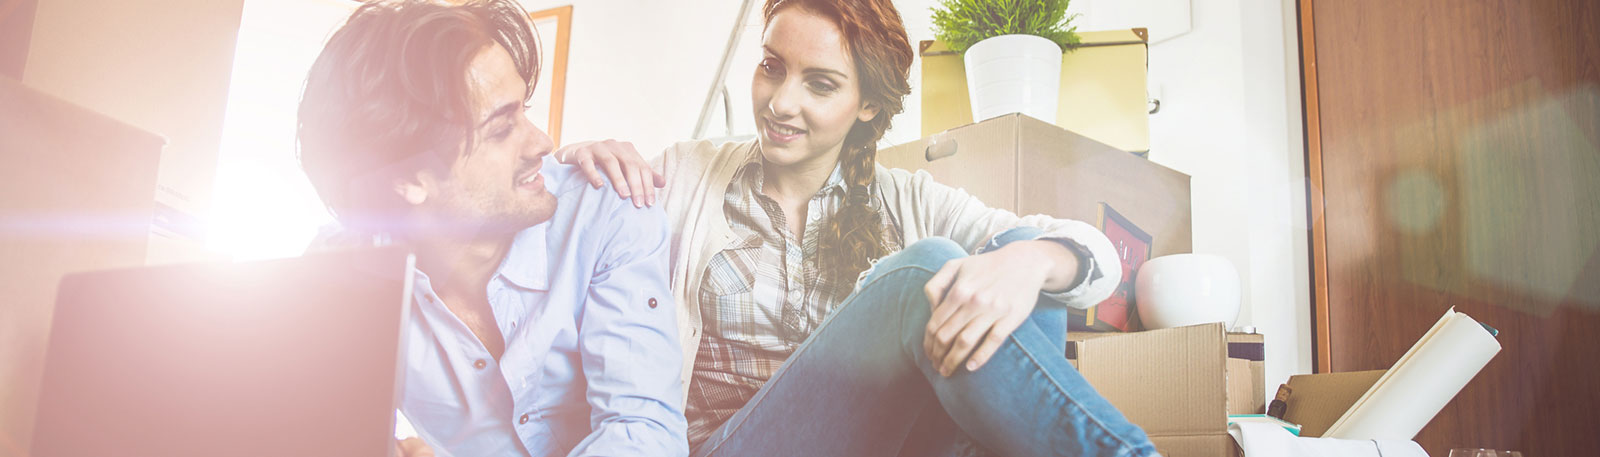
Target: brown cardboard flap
1319,399
1168,382
1209,445
1244,395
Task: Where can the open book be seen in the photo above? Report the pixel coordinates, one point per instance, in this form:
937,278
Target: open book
1419,385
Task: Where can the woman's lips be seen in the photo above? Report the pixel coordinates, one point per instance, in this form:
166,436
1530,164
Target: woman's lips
774,132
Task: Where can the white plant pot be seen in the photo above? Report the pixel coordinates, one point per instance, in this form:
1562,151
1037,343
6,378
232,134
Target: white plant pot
1014,74
1187,289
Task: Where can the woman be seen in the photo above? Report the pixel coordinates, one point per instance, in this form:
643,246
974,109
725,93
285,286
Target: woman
801,336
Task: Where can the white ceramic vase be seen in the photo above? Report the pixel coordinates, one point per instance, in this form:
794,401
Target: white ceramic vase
1014,74
1187,289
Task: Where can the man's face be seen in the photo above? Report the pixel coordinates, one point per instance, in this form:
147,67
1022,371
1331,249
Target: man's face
495,188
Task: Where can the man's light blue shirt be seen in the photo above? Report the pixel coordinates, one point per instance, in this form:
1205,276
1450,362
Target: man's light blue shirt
591,363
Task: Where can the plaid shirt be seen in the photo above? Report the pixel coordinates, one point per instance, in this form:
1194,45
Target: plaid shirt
761,297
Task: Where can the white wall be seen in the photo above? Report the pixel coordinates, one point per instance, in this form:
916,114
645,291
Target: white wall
638,70
1230,118
264,205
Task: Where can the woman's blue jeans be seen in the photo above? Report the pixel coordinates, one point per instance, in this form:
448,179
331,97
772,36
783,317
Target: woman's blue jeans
861,385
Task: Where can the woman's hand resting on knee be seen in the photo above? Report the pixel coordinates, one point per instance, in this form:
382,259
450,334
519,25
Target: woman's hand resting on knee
979,300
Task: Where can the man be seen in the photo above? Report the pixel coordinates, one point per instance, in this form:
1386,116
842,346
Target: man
542,324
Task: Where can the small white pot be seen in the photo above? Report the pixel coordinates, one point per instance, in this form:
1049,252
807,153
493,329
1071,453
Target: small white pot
1014,74
1187,289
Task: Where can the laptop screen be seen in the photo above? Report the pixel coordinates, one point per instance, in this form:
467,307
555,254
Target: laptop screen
283,357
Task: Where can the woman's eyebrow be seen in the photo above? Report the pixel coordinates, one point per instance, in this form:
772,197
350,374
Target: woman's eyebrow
830,71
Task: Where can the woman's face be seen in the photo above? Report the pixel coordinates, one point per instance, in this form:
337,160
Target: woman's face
805,92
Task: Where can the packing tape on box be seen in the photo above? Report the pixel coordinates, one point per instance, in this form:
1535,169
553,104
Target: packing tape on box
1431,373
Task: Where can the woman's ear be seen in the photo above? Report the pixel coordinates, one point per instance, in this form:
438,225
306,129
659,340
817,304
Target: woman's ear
868,111
412,190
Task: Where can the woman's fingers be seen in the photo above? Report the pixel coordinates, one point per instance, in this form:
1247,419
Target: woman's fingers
936,289
964,341
619,181
658,179
937,340
945,335
636,185
997,336
589,170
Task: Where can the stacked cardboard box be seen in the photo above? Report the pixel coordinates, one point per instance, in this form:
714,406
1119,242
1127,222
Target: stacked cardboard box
1178,384
1027,166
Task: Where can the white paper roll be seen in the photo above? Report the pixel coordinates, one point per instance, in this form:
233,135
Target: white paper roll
1431,373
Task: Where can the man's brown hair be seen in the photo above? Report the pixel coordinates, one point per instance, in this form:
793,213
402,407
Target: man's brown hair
388,97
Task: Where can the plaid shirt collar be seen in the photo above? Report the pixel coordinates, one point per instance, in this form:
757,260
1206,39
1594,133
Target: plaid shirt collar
754,175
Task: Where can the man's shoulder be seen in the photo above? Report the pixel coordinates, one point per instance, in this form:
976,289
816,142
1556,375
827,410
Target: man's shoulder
583,209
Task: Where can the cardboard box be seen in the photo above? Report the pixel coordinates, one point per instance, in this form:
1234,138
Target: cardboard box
1170,382
1027,166
1247,373
1103,91
1318,400
73,166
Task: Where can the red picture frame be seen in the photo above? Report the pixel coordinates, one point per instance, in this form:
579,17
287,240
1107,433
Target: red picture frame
1133,249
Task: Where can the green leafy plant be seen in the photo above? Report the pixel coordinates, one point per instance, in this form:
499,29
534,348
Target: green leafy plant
963,23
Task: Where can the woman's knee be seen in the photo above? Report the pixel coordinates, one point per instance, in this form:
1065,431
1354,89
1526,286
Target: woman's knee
928,253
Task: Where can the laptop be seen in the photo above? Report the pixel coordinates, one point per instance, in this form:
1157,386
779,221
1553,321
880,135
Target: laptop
289,357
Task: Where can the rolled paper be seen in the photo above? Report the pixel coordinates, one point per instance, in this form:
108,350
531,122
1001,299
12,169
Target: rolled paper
1431,373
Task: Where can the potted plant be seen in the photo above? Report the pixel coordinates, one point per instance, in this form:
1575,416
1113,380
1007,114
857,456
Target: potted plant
1012,51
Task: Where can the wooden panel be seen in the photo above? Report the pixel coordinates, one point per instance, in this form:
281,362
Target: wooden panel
1318,223
77,194
1457,146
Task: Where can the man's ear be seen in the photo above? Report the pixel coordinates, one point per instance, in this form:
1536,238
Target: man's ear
868,111
412,190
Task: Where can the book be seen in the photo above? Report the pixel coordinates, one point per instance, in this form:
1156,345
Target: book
1264,419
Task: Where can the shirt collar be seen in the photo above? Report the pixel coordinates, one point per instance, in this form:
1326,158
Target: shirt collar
527,262
753,172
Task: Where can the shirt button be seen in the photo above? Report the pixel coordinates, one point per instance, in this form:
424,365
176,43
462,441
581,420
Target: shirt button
480,364
523,420
652,303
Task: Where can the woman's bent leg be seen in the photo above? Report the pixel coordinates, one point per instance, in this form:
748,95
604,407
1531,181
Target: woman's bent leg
859,382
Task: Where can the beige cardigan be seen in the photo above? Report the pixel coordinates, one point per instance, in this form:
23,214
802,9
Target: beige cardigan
698,174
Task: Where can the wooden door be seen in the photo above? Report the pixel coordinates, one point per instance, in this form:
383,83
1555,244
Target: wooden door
1454,153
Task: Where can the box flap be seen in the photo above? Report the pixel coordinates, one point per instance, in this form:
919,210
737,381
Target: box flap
1168,381
1210,445
1319,399
1244,394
